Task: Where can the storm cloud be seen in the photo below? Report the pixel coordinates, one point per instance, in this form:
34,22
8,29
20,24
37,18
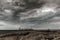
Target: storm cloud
24,14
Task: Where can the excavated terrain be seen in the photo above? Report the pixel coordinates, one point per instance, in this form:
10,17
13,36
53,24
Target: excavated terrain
30,35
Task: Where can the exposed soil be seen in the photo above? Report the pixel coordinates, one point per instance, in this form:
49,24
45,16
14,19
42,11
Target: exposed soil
31,35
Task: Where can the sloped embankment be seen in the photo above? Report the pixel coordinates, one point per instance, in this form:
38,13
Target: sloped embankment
31,35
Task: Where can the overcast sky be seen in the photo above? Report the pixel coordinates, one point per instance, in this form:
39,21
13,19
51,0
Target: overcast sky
46,17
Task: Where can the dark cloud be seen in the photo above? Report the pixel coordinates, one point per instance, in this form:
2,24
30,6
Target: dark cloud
28,13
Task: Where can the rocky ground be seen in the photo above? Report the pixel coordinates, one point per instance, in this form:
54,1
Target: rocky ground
31,35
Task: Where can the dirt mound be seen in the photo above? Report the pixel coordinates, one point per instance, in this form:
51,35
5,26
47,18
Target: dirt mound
32,35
